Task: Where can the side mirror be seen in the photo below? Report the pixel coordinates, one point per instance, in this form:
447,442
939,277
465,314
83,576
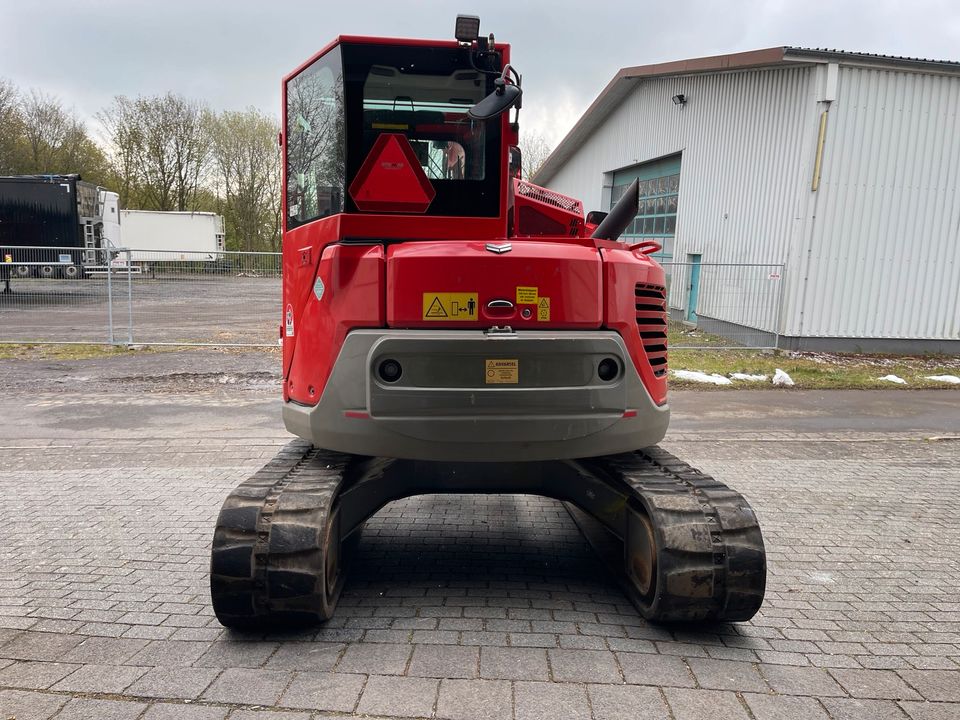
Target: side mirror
497,102
595,217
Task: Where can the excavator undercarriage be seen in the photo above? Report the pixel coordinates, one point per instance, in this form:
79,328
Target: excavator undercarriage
690,548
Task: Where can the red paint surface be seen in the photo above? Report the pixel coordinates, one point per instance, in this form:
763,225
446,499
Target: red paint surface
570,275
590,283
354,291
622,270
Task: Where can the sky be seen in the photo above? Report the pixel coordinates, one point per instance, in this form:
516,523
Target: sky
232,54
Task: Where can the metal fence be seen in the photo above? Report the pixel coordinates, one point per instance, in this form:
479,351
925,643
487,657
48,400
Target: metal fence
724,305
129,296
153,297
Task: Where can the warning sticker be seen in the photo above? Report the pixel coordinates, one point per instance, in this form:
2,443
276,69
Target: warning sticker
450,306
288,321
543,310
503,372
526,296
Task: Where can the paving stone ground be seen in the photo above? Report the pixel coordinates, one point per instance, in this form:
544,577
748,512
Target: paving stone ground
470,607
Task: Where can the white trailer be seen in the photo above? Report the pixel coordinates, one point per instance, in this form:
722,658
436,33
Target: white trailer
109,217
155,236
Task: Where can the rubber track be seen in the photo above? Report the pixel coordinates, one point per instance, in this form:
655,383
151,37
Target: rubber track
267,561
268,557
711,564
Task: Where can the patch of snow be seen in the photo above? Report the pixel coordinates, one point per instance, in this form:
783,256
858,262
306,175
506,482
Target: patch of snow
953,379
746,376
893,379
781,378
697,376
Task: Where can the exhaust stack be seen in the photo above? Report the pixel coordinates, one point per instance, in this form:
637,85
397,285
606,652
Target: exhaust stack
622,214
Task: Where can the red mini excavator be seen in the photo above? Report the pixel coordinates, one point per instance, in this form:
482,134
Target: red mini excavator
449,327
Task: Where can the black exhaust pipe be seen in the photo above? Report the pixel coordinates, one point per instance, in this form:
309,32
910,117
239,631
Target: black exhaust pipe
621,216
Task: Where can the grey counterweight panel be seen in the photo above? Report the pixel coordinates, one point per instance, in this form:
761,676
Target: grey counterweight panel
554,404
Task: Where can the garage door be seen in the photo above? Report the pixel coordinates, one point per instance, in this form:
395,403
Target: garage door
659,190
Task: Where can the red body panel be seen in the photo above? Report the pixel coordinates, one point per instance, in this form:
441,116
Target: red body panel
568,276
538,212
353,297
376,266
622,270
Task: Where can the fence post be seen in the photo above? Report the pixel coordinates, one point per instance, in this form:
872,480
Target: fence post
779,324
129,298
109,259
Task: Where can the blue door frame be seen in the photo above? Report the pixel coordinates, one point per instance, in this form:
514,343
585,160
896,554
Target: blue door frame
693,289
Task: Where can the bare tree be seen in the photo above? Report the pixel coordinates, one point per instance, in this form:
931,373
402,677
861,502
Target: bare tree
119,121
11,127
160,147
46,126
534,150
51,139
247,159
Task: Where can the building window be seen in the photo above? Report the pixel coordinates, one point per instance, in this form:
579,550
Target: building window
659,190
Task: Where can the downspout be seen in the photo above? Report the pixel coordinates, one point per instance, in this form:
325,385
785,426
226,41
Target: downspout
826,97
818,162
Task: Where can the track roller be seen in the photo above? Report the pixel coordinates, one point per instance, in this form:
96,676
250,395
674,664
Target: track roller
276,558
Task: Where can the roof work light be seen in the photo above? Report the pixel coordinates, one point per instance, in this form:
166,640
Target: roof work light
468,28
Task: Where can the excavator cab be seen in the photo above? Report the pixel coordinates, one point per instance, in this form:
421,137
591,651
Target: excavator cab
449,327
343,101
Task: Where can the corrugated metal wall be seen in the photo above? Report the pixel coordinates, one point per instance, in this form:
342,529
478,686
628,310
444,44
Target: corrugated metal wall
745,143
885,241
875,253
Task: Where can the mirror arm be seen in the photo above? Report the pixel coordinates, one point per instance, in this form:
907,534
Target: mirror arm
474,54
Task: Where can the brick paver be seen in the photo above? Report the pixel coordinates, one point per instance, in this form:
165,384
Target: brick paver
475,700
335,692
472,607
399,696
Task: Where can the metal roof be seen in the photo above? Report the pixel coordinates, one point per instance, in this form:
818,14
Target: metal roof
842,55
627,79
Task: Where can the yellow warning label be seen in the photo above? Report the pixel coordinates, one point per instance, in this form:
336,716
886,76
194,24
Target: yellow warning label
526,296
450,306
503,372
543,310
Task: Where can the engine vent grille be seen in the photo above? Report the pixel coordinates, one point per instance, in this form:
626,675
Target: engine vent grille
651,301
535,192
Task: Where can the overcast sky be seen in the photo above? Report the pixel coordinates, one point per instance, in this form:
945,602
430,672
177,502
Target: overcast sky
233,53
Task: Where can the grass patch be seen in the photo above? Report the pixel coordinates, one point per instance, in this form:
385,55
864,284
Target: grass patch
679,334
814,370
27,351
68,352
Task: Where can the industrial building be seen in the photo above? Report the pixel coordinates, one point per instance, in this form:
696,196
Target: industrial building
842,167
